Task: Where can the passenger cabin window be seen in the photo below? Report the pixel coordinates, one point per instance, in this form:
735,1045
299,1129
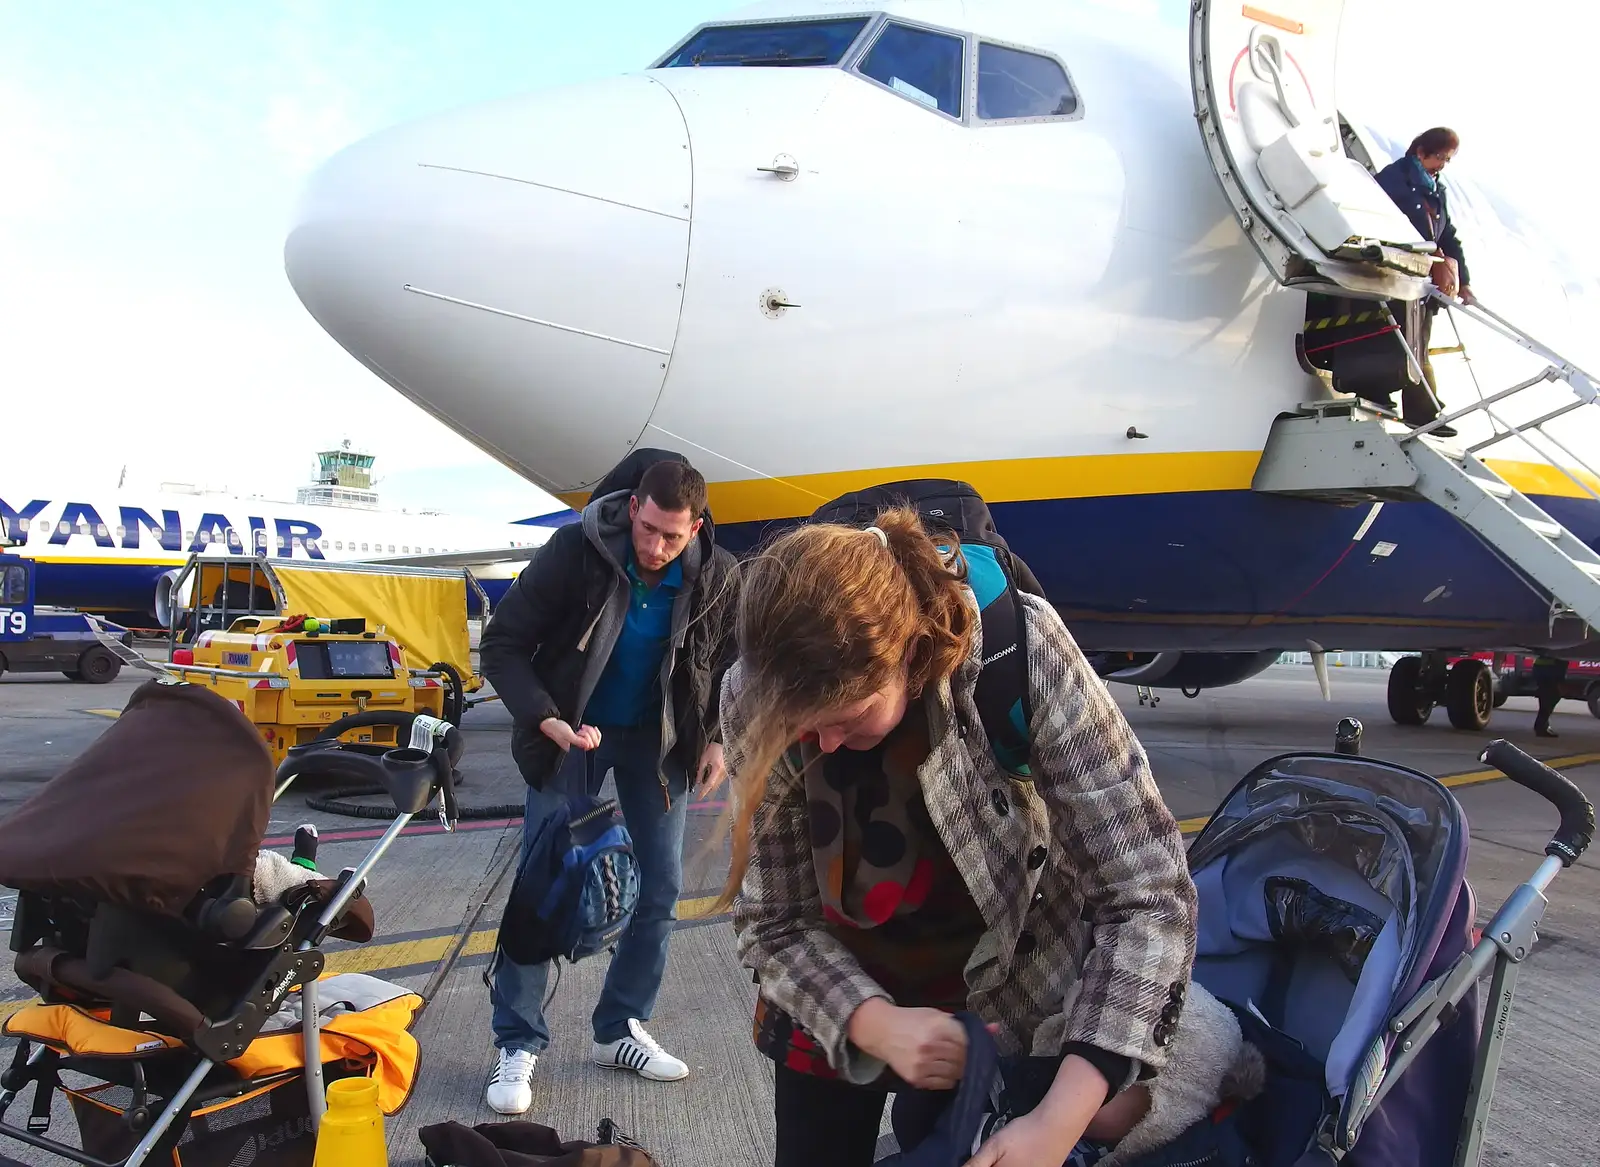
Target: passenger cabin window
920,64
811,43
1015,84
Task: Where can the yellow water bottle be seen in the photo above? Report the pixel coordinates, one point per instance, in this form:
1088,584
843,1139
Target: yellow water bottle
351,1133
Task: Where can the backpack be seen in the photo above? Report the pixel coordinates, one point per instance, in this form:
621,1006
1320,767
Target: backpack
995,573
577,886
628,473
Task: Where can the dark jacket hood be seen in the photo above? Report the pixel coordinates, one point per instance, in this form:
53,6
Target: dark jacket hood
605,516
606,525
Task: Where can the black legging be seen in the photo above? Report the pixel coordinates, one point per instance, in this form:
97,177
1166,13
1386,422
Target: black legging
825,1121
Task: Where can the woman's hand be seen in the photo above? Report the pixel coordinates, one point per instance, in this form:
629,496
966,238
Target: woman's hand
926,1047
1046,1136
1029,1141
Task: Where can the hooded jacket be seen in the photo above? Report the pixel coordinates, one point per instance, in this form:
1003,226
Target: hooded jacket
549,640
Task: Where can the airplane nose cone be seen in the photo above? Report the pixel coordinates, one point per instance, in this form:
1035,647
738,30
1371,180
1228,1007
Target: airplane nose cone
515,268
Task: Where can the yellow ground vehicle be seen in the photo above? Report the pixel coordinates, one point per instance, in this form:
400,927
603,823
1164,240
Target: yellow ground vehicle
294,684
411,652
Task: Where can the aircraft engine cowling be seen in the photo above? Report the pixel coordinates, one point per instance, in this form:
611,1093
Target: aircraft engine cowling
1184,670
162,605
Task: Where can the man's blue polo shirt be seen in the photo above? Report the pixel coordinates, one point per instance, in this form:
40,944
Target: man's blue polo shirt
629,689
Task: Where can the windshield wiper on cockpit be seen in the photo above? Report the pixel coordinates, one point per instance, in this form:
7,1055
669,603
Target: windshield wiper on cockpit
741,59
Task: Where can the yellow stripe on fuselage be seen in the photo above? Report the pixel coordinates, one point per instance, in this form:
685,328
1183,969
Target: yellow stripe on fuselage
112,560
1029,479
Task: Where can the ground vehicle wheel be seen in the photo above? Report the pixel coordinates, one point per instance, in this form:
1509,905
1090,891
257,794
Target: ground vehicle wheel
1593,695
98,666
1501,696
1469,694
455,692
1409,704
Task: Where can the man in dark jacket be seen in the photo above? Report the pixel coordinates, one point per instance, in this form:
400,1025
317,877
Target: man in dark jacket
609,651
1415,185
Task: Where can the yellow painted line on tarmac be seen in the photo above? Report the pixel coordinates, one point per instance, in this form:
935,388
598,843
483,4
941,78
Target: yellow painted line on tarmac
385,957
1454,781
1478,776
113,714
379,958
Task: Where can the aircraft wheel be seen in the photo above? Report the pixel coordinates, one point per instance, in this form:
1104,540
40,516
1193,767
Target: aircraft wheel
1501,696
1409,703
1469,694
1593,696
97,667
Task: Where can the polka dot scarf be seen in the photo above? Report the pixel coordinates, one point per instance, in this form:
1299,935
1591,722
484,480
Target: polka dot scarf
868,824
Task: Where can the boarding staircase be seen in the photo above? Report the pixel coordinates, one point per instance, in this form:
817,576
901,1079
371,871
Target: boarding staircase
1347,451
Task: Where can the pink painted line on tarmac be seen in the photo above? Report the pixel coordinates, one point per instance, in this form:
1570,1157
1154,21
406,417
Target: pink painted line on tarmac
375,832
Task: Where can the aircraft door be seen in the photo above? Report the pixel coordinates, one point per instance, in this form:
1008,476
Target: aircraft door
1263,85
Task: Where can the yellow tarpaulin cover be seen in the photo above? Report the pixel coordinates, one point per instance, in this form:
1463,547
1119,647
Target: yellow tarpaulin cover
426,614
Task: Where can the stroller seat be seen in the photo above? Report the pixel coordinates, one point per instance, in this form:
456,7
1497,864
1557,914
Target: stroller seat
173,977
158,972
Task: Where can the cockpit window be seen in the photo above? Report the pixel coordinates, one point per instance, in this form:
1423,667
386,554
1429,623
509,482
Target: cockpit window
1015,84
800,43
920,64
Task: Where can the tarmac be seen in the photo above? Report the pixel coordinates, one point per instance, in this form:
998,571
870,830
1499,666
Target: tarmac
438,898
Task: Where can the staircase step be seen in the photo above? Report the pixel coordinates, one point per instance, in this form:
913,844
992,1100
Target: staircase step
1548,530
1494,486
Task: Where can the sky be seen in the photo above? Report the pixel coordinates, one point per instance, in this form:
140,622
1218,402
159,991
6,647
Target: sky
151,152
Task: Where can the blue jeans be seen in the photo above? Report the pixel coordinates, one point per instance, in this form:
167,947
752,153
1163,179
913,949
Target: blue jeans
634,978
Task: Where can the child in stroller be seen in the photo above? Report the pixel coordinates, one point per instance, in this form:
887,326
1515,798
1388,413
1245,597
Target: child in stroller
178,965
1336,925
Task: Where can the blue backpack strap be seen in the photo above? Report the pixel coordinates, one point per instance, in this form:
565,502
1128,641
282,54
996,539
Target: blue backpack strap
1002,690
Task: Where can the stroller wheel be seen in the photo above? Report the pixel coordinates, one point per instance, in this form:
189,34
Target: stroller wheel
137,1119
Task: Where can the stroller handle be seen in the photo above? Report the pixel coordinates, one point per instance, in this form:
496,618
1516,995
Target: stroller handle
1572,837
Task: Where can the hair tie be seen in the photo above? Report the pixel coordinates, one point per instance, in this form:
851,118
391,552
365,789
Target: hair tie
878,531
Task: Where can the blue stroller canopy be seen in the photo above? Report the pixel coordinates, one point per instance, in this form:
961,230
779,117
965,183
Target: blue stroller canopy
1327,884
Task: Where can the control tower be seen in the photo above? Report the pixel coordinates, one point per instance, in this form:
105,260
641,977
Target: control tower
344,479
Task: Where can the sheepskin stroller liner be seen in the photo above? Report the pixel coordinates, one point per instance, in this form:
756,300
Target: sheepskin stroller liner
157,970
1336,920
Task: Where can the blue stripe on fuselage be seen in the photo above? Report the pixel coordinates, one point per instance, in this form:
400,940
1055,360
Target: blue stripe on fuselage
1237,569
130,587
1223,569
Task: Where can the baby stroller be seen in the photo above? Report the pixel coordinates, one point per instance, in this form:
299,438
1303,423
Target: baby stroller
192,1008
1336,920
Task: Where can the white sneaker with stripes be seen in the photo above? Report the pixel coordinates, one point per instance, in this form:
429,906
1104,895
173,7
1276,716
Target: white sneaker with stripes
510,1091
642,1054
